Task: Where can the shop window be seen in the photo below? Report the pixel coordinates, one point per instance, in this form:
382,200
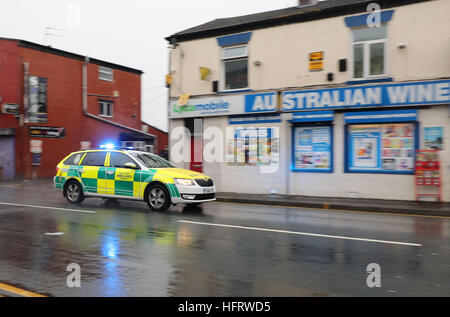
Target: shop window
105,73
381,148
369,52
235,67
252,147
312,148
106,108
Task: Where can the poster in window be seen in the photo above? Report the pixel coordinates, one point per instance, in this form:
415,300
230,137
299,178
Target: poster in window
36,111
251,146
383,147
433,138
312,149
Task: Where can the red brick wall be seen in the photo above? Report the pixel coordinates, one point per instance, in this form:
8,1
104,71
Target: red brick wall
65,105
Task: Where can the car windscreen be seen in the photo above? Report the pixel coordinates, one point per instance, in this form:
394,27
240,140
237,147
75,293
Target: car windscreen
152,161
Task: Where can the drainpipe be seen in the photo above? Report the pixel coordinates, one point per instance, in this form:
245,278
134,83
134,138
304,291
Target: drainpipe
85,105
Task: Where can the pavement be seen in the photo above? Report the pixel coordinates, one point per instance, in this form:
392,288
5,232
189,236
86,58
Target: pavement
338,203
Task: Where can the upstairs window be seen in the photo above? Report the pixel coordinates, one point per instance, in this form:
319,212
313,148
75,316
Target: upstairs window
369,52
106,108
235,67
105,73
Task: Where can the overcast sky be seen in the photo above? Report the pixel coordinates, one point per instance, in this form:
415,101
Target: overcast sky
129,33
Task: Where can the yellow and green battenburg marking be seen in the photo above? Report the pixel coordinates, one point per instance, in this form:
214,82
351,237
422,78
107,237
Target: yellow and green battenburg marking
113,181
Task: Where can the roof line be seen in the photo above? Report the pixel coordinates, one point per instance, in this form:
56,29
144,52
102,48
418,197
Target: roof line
289,18
55,51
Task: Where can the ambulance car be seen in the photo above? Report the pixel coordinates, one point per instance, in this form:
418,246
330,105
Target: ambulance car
129,174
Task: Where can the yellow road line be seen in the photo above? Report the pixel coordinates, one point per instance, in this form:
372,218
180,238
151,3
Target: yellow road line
19,291
338,210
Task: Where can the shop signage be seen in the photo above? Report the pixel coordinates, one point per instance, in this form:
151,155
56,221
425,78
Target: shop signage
36,111
433,138
381,116
405,94
225,105
266,102
313,116
46,132
10,108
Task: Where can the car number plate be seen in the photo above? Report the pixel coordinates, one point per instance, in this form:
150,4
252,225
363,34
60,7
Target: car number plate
208,190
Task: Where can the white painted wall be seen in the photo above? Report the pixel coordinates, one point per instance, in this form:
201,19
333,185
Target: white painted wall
249,179
284,51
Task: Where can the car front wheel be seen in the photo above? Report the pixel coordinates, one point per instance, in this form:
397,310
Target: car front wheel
158,198
74,193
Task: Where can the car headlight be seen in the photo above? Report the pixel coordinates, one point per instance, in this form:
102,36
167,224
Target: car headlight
184,182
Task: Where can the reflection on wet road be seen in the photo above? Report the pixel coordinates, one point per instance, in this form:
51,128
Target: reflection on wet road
220,249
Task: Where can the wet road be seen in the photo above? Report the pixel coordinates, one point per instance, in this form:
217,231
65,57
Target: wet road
222,249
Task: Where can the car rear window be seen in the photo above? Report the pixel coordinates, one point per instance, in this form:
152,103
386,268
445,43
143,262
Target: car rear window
94,159
74,159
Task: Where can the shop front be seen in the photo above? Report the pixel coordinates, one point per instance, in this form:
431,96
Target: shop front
352,141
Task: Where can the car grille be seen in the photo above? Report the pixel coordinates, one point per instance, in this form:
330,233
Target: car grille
204,183
205,196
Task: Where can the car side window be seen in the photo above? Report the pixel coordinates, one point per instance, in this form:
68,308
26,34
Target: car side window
118,160
74,159
94,159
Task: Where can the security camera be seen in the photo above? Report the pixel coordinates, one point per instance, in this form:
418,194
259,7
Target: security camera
401,45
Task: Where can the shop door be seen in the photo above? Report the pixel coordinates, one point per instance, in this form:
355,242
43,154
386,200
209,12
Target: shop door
7,167
196,154
195,127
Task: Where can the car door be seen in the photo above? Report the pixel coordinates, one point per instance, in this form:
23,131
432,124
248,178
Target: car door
92,170
122,180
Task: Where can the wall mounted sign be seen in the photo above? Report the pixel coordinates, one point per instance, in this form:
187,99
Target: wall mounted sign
315,61
36,111
433,138
10,108
225,105
46,132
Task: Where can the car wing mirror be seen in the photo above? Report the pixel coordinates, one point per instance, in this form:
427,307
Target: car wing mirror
130,165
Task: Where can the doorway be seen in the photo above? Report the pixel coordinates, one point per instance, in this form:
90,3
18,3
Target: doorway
195,127
7,166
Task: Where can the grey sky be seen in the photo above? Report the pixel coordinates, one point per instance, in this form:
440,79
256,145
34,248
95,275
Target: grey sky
128,32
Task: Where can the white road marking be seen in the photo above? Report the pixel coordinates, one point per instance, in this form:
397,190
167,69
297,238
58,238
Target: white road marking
300,233
54,233
47,207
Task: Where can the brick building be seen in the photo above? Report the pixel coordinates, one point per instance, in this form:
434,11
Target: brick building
54,102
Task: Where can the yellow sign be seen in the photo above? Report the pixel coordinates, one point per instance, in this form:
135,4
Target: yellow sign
168,79
204,73
315,61
183,100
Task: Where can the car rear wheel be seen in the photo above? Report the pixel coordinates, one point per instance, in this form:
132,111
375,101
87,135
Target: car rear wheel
158,198
74,193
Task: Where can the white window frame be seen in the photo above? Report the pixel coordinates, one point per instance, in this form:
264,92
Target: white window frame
234,58
102,105
105,71
366,58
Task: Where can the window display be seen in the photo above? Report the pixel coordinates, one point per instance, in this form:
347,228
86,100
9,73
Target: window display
312,148
381,147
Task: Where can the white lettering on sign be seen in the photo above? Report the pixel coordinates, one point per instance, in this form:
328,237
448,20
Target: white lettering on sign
400,94
263,103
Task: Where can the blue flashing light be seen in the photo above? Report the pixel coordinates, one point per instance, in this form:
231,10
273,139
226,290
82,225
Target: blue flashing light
108,146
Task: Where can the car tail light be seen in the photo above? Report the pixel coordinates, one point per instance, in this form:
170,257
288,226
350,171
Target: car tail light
57,170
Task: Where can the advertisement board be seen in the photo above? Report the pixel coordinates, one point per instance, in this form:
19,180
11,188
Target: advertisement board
381,147
434,138
36,112
313,149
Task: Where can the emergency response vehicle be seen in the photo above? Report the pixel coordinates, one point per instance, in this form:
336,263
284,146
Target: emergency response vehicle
129,174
